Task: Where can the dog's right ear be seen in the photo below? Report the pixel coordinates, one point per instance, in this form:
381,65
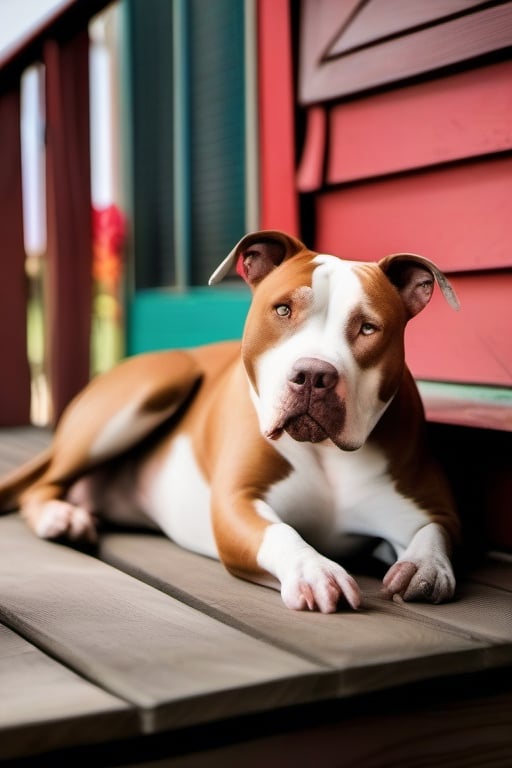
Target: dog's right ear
257,254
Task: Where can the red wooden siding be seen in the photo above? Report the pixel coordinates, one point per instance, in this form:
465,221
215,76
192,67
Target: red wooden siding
331,67
381,20
311,168
474,344
418,166
458,216
278,196
460,116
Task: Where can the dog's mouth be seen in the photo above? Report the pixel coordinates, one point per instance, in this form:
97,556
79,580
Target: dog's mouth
305,429
312,426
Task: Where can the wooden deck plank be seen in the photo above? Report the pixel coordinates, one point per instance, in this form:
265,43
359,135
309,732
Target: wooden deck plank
37,692
187,643
177,665
20,444
445,733
480,610
496,571
381,645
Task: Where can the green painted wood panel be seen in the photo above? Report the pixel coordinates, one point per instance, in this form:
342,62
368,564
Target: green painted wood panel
163,320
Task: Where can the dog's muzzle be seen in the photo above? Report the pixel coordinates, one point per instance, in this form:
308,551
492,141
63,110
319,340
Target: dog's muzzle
312,411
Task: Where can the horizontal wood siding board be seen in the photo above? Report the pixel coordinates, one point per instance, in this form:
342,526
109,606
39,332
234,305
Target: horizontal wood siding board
460,39
459,219
464,115
376,20
458,216
45,706
178,666
466,409
469,346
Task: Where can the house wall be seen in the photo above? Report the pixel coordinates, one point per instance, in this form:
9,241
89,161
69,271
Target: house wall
405,147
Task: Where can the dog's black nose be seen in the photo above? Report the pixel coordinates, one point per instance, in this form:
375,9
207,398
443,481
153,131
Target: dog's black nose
312,373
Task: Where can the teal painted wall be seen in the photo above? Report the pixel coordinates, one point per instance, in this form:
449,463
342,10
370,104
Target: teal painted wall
161,320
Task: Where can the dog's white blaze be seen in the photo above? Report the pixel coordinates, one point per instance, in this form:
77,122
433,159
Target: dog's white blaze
337,291
322,336
177,497
330,494
346,291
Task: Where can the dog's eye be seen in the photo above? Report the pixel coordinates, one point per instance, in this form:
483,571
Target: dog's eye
368,328
283,310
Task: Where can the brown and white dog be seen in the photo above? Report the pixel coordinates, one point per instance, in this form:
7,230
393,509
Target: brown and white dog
268,453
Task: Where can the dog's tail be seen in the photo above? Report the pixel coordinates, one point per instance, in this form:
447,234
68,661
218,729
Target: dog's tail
19,479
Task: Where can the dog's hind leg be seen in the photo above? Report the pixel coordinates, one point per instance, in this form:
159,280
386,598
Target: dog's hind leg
53,517
114,413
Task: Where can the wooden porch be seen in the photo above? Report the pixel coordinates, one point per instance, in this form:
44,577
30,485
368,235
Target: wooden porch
144,654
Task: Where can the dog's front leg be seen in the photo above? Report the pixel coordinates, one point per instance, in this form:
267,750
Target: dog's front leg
252,541
308,580
255,548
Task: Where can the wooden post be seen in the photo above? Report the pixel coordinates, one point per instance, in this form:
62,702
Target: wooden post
69,216
15,376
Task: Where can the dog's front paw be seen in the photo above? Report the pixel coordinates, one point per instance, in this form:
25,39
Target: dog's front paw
431,582
57,519
308,580
315,583
424,571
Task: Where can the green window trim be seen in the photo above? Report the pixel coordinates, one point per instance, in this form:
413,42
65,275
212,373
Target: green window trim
193,167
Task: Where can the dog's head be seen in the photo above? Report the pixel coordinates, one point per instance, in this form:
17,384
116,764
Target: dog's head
323,343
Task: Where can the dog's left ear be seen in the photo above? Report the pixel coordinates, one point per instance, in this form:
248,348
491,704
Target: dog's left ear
257,254
414,278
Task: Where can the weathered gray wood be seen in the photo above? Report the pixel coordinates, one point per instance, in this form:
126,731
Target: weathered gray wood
188,643
19,444
470,733
44,705
381,645
496,572
176,664
480,611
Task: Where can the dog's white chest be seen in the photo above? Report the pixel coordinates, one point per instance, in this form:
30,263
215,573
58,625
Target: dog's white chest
177,497
334,493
